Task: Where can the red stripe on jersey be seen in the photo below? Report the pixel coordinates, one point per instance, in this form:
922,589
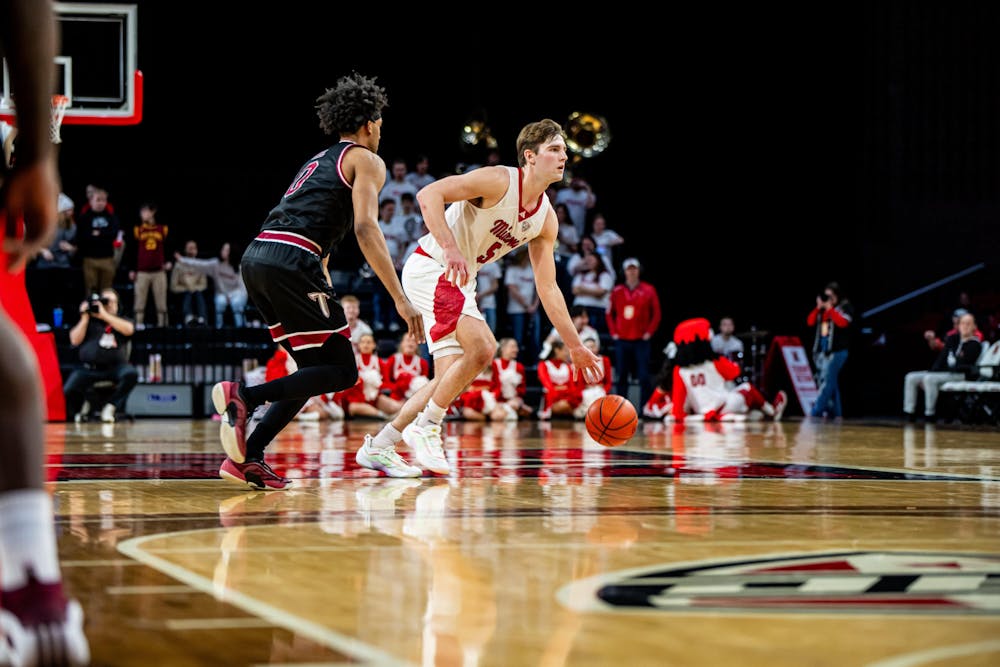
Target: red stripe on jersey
313,339
277,331
340,163
448,304
523,213
291,239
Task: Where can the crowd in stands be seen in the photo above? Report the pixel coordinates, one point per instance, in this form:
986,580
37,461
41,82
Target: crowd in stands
170,283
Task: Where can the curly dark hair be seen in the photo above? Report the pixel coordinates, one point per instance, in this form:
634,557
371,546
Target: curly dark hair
354,101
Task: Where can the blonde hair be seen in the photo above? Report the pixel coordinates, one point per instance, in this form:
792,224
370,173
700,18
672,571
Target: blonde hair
350,298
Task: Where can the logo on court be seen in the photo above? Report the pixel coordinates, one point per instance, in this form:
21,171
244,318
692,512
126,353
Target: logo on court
850,582
322,298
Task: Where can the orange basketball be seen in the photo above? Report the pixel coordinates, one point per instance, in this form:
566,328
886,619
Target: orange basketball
611,420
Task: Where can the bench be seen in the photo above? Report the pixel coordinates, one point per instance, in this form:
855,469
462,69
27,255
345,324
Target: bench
977,401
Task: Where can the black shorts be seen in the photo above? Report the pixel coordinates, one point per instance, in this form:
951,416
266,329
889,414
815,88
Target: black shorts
287,286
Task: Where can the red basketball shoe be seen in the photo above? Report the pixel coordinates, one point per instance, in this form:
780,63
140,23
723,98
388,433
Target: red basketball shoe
233,430
255,474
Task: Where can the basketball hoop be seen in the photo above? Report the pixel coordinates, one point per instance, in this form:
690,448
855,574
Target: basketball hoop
59,104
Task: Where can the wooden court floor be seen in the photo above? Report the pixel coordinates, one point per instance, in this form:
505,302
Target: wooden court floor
798,543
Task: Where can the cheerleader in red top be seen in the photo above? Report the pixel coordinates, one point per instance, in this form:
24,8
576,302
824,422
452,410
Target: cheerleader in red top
591,392
366,398
407,371
509,385
478,401
699,381
562,396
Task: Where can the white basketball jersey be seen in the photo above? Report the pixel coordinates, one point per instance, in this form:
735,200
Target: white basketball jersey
486,234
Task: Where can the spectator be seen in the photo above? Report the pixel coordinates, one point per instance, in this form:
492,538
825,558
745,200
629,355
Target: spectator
579,199
421,175
352,312
581,321
102,336
151,267
725,343
633,317
98,234
608,241
487,284
956,361
587,246
229,288
592,290
52,281
188,280
396,240
523,303
407,218
937,344
832,317
397,184
569,237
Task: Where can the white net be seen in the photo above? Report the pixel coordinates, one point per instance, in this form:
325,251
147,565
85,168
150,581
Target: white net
59,104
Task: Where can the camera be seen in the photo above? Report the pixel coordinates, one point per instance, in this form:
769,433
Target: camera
823,296
95,303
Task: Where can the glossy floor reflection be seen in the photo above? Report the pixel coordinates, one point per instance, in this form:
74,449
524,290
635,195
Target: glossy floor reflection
755,544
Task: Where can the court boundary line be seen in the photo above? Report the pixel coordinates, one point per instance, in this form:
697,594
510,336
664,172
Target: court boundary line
350,646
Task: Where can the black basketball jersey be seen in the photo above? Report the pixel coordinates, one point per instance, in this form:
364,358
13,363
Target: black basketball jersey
318,204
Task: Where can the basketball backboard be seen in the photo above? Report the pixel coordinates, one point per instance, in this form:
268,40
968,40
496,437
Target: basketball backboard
97,65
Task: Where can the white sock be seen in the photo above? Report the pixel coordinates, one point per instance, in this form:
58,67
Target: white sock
432,414
387,437
27,539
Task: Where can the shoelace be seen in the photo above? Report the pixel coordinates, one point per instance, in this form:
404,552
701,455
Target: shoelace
392,455
434,444
269,470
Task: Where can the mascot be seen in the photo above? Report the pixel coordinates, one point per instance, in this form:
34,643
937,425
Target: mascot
698,378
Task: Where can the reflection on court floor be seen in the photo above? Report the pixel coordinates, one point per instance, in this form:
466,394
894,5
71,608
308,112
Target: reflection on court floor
702,544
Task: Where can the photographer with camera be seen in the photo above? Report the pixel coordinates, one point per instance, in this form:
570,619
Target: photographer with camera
832,317
102,336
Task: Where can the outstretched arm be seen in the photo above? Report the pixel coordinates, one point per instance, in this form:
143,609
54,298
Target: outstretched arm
540,250
369,177
28,33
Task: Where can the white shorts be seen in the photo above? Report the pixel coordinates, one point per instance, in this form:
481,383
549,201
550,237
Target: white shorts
440,303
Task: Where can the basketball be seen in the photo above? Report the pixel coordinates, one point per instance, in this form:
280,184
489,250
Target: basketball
611,420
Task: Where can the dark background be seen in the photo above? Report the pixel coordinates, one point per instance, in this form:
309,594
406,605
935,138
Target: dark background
756,153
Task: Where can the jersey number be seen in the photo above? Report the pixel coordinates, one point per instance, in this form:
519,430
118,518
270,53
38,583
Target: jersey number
697,379
306,172
488,255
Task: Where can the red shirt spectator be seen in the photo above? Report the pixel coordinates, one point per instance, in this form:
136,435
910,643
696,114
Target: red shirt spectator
633,317
634,311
